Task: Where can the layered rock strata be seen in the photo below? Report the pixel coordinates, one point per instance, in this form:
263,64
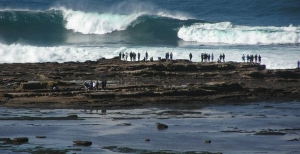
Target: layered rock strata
129,84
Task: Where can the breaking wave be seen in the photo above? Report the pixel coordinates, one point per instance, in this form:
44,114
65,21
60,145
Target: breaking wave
58,26
227,33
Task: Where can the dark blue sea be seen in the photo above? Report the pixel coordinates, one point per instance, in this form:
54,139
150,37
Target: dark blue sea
80,30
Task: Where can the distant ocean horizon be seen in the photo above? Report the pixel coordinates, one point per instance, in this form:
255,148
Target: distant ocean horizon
76,30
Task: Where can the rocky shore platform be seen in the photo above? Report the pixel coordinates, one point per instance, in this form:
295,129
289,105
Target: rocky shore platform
132,84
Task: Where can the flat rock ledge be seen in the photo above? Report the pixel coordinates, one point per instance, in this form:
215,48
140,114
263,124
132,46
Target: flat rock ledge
130,84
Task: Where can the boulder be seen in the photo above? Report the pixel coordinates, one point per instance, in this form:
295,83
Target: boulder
161,126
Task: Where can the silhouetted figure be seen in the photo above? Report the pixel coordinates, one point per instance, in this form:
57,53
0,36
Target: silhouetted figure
191,56
259,58
120,56
91,85
212,57
248,58
205,57
255,58
167,55
97,85
243,58
103,111
171,56
223,57
103,84
86,85
139,55
130,56
146,55
298,64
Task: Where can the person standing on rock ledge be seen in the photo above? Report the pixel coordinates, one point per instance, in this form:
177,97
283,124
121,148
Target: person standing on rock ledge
191,56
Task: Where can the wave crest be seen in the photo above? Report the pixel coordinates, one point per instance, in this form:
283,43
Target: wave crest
94,23
226,33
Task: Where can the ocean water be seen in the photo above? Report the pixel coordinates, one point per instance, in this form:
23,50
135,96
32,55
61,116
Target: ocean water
80,30
232,129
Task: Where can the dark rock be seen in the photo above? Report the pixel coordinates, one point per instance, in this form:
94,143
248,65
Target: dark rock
256,74
72,116
287,74
5,139
207,141
83,143
124,124
161,126
269,133
40,137
21,139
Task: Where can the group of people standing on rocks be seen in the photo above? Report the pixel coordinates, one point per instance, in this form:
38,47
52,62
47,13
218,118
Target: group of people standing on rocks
94,85
251,58
205,57
169,56
132,56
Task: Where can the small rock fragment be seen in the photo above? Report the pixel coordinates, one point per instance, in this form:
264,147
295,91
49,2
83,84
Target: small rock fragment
83,143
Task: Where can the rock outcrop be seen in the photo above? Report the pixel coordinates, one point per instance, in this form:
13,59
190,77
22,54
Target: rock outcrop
61,85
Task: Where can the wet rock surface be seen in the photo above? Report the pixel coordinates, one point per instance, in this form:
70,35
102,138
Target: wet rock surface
129,84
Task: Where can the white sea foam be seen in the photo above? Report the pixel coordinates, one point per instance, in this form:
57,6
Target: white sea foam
17,53
95,23
272,57
226,33
178,16
103,23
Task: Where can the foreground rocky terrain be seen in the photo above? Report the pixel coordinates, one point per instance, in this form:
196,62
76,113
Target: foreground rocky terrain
129,84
